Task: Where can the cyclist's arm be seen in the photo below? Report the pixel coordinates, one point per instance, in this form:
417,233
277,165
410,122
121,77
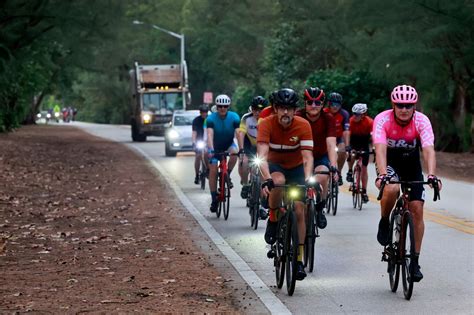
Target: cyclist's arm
332,154
307,163
429,156
346,136
262,152
210,138
381,157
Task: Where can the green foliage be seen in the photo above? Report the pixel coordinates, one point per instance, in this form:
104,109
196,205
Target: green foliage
81,52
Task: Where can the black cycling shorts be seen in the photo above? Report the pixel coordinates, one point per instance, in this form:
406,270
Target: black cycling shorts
293,176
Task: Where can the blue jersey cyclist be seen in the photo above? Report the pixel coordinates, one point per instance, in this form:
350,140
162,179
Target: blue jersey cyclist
222,127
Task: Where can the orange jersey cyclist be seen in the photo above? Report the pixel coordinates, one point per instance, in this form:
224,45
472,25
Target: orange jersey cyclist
285,144
360,136
398,134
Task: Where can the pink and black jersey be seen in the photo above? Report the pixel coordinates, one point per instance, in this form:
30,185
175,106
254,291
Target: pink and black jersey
417,133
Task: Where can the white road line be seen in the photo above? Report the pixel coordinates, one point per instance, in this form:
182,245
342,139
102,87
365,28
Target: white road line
273,304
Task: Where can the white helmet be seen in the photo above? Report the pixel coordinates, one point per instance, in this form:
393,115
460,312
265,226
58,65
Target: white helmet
359,108
223,99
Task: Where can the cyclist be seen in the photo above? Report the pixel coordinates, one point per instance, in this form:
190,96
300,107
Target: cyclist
269,110
324,148
248,140
398,134
360,135
198,136
341,117
285,144
224,124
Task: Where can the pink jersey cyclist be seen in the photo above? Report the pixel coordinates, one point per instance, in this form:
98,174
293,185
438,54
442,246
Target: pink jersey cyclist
387,131
403,146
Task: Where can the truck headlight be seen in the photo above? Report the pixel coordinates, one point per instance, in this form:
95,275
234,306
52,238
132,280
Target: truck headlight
146,118
173,134
38,115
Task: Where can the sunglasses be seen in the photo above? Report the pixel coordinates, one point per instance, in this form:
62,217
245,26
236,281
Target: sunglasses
222,106
334,104
402,106
283,108
314,103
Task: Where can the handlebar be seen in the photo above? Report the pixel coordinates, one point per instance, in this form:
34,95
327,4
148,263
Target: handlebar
403,182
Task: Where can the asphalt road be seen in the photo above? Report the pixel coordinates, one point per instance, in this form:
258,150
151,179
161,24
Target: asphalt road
349,276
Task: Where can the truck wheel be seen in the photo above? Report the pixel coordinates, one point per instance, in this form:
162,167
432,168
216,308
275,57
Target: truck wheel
168,151
137,137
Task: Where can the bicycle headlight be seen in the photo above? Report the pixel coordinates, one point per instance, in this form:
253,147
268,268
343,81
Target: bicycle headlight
56,114
257,161
38,115
48,115
294,193
312,180
200,145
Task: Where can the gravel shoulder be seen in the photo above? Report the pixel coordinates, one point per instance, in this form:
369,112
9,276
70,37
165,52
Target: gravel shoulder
87,226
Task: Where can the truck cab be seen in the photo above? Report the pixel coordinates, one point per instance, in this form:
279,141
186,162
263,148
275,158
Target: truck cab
156,92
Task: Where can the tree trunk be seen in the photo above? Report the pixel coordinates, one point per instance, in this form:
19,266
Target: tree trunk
35,104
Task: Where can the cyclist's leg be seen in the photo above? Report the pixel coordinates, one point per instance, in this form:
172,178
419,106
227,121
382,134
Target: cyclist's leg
387,203
341,156
364,176
197,165
233,149
350,165
322,165
213,182
274,202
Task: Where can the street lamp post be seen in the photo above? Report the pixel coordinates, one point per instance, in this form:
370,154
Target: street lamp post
179,36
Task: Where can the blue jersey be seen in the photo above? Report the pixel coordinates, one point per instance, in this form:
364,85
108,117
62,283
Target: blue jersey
224,129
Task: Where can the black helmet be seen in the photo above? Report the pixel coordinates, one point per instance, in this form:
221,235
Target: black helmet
271,97
314,94
286,97
203,108
335,98
259,102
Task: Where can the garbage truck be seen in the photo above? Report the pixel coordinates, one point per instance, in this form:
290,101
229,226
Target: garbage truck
156,92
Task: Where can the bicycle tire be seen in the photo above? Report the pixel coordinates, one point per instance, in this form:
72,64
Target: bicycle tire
250,203
334,197
219,208
202,178
226,202
279,260
393,268
407,237
291,239
359,200
354,195
310,236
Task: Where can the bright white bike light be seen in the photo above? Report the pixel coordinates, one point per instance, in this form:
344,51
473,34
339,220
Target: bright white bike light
294,193
312,180
200,145
257,161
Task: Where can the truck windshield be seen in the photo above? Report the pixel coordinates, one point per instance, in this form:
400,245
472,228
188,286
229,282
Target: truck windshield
163,103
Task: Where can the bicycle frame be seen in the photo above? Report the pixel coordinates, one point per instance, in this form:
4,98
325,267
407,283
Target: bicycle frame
395,253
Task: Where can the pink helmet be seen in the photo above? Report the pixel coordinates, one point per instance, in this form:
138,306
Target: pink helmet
404,94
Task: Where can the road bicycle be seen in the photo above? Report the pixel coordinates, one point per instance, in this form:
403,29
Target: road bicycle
356,185
401,248
223,184
253,196
313,196
333,194
285,250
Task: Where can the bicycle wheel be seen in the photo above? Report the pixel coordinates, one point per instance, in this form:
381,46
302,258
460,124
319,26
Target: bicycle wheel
226,203
334,196
220,195
250,202
354,195
291,239
407,250
310,236
202,176
393,267
279,260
